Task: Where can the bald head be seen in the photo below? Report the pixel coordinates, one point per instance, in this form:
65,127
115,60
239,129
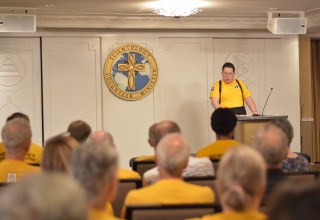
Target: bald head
163,128
272,143
102,136
172,154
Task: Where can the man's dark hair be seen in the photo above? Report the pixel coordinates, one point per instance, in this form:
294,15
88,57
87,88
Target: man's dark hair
223,121
18,115
79,130
228,65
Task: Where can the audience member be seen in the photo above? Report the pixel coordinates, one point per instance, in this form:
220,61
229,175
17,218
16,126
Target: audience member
56,154
272,144
241,182
102,136
34,154
94,164
172,154
152,143
16,136
223,123
295,201
79,130
293,161
195,167
43,197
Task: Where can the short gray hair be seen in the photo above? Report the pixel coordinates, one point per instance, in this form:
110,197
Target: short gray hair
16,134
272,143
45,196
172,154
94,164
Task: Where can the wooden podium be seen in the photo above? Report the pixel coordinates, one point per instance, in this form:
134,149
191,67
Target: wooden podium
248,125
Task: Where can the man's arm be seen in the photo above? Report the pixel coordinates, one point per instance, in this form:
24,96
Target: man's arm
215,102
251,104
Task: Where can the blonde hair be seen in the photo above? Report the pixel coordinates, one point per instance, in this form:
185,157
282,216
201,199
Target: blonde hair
241,174
57,153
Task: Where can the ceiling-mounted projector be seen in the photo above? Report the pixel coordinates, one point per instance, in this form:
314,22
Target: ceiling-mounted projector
17,20
287,22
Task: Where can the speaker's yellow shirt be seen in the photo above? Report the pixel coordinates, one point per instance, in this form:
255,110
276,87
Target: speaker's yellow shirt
169,191
217,149
231,95
15,170
33,156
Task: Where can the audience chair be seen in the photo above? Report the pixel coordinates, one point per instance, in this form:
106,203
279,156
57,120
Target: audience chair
304,175
215,164
125,185
170,212
205,181
142,166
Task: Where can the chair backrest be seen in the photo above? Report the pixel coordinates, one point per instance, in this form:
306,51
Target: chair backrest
205,181
125,185
142,166
215,164
170,212
312,175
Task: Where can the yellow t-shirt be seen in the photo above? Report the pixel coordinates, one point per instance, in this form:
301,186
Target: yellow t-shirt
144,158
15,170
33,156
231,95
169,191
217,149
242,215
96,214
128,174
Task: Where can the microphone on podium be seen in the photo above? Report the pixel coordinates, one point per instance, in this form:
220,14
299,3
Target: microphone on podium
266,100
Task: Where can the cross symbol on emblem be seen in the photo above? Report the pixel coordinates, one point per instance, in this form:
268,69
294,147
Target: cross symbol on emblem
132,69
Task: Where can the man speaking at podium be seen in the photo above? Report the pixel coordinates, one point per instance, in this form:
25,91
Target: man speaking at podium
231,93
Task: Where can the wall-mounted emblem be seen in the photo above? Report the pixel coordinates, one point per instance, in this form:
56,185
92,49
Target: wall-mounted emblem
130,72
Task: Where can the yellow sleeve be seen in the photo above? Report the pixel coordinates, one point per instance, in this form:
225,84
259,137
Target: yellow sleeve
246,91
215,90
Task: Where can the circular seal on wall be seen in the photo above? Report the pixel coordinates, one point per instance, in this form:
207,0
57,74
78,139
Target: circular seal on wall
130,72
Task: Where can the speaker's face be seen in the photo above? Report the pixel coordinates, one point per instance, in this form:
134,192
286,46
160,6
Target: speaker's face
227,75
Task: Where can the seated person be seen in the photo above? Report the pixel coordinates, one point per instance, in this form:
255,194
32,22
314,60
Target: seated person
272,143
44,196
79,130
295,201
56,153
16,136
195,167
223,122
103,136
241,182
34,154
293,161
95,165
151,141
172,154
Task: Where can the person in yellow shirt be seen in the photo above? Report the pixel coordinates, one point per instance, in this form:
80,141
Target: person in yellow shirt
223,123
16,136
231,93
103,136
94,165
172,154
241,182
34,154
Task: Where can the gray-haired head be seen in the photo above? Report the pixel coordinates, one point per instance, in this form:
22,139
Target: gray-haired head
286,127
46,196
172,154
163,128
271,142
102,136
16,135
241,178
94,164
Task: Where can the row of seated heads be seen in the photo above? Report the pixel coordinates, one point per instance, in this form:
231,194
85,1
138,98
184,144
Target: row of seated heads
94,163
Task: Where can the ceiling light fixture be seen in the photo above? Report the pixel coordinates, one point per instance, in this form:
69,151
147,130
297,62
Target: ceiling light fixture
177,8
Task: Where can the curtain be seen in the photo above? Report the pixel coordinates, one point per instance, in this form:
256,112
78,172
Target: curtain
315,84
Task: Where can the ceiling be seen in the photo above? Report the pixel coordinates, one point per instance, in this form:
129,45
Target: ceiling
135,14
